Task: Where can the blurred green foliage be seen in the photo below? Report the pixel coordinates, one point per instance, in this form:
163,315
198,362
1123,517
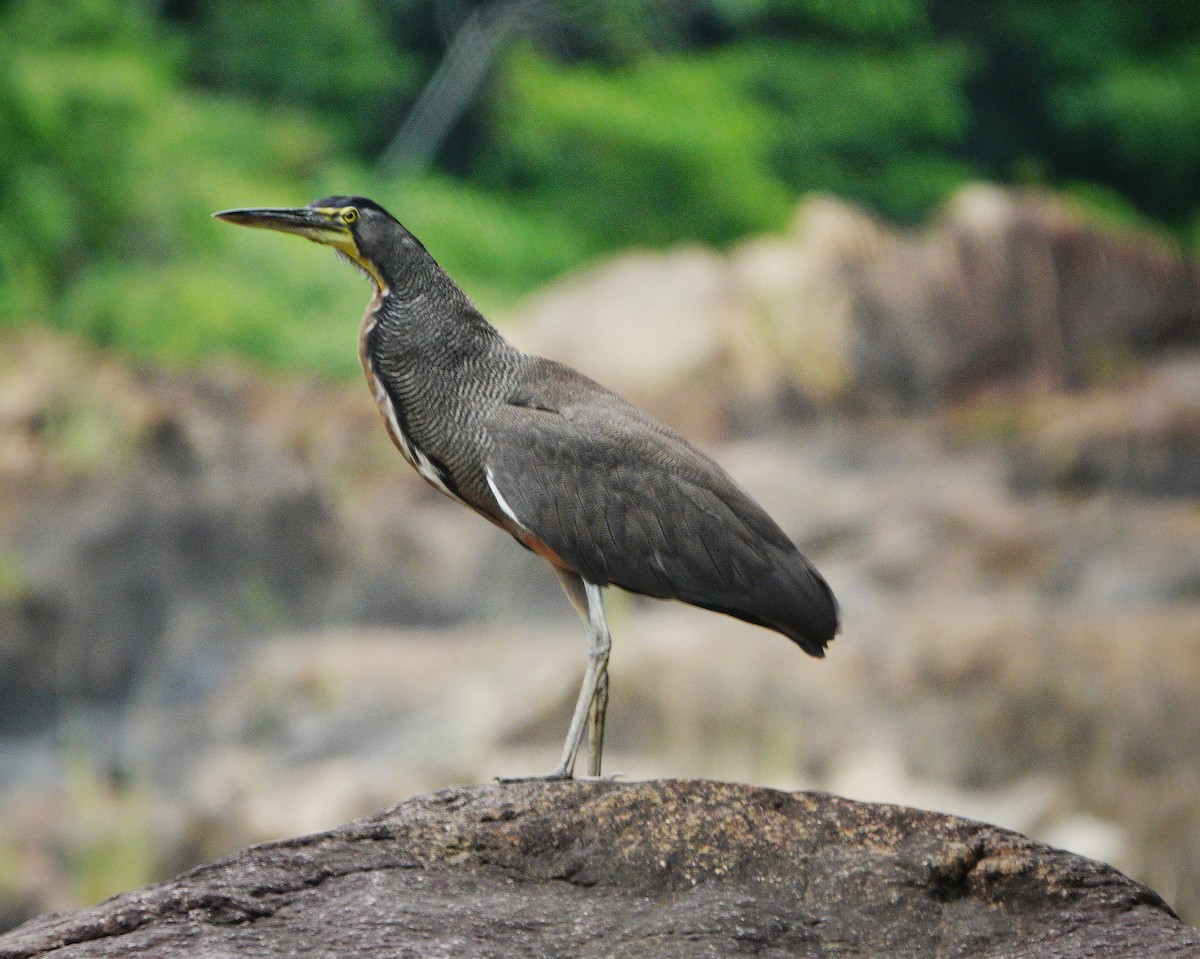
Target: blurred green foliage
600,125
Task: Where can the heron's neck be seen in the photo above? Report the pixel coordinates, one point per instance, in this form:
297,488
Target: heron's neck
429,328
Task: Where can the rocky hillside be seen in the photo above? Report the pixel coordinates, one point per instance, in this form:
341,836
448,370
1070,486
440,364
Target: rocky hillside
606,869
229,613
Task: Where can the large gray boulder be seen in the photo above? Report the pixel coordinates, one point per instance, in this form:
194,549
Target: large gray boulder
1002,288
652,869
1008,287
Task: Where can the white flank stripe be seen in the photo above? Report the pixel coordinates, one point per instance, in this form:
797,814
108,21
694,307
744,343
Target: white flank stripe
426,468
508,510
415,457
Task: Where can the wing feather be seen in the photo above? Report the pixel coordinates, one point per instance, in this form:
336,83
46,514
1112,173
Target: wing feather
625,501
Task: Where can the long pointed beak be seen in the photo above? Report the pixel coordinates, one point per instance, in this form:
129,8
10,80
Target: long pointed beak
319,224
316,225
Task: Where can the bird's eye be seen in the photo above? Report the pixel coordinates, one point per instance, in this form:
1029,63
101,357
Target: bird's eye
349,215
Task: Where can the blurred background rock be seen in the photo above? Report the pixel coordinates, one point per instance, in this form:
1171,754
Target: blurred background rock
921,274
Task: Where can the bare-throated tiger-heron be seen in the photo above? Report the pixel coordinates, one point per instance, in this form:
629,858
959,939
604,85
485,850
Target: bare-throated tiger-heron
600,490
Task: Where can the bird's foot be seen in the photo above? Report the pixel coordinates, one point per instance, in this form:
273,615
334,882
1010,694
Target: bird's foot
559,776
550,777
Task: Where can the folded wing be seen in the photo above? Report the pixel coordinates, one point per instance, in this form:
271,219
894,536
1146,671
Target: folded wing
625,501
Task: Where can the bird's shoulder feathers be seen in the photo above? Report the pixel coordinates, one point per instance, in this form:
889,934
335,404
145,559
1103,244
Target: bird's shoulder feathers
623,499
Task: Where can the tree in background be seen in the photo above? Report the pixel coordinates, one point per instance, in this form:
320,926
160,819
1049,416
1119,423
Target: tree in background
543,134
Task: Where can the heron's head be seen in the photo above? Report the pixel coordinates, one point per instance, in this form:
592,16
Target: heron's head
358,228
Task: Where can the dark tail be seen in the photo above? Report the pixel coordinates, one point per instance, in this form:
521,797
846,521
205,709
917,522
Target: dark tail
793,599
814,615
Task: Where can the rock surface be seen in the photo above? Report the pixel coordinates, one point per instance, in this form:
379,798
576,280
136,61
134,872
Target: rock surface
229,613
667,868
1010,287
1028,659
1001,289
